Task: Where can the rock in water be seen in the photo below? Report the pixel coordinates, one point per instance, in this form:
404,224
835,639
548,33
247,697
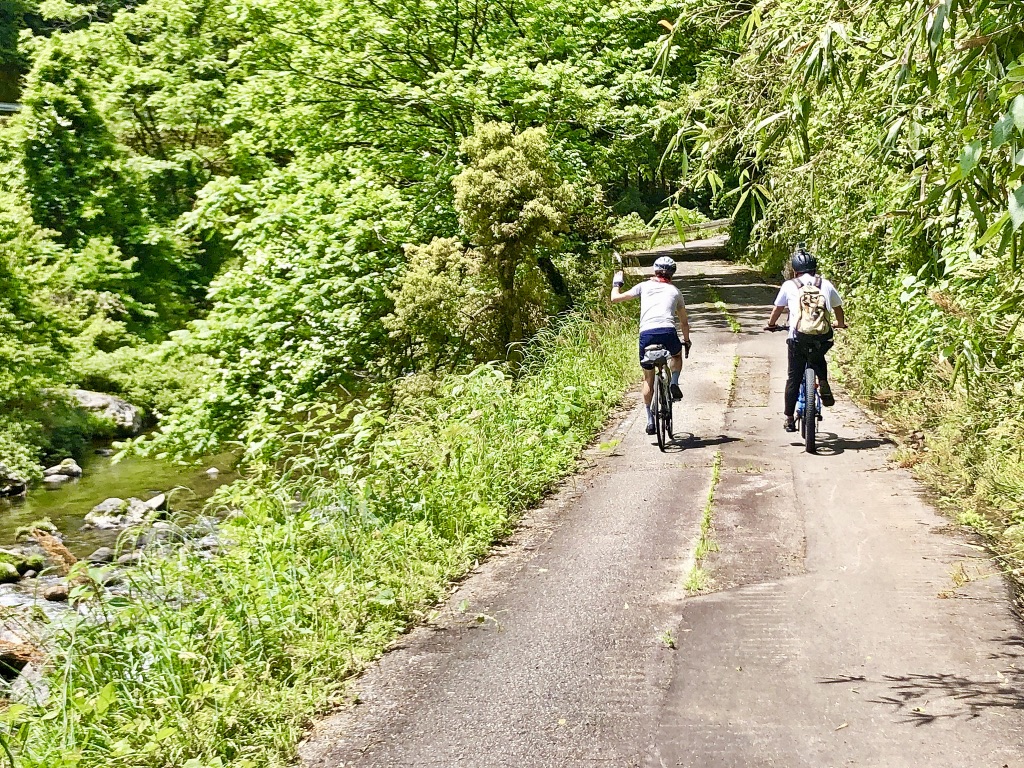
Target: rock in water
10,483
118,513
8,573
157,503
55,481
67,468
101,555
58,593
127,417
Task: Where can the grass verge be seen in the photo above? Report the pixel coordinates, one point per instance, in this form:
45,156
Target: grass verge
964,443
697,580
225,661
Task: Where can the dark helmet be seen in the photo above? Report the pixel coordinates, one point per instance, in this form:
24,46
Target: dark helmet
664,266
803,260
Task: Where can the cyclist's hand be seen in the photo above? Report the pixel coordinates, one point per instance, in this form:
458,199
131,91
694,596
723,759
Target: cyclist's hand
686,345
618,280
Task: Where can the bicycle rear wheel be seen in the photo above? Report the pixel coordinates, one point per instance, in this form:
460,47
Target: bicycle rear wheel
810,420
656,409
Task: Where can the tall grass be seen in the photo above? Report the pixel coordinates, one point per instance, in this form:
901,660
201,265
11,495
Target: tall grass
225,661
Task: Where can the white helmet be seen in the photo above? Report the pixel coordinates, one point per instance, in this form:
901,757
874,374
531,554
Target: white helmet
664,264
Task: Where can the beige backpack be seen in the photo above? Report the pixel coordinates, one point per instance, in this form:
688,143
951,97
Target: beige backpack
813,318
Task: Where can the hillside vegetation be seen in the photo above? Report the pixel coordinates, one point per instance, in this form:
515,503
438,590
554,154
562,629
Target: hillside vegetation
364,242
889,136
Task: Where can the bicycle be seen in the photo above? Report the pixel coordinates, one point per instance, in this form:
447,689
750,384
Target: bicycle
661,397
808,410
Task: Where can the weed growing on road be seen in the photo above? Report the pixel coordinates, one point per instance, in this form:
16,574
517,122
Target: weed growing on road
698,580
721,306
668,639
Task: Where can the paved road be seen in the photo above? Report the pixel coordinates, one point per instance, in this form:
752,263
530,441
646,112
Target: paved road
847,624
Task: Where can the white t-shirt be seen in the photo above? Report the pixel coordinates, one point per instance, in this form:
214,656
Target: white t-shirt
659,304
789,296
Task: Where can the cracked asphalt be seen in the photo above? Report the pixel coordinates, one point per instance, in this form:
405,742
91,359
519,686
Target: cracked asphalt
845,622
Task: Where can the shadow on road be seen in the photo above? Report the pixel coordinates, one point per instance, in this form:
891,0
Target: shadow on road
923,699
691,441
830,444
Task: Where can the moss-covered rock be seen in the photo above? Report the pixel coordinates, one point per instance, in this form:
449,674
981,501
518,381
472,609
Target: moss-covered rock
8,573
23,562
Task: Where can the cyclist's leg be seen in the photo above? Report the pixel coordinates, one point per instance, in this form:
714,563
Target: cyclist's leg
675,365
648,395
820,366
795,376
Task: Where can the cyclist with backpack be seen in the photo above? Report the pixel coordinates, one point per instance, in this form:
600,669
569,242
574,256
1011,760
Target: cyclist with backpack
661,305
811,300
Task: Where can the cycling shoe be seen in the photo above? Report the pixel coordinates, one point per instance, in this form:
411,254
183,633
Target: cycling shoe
790,425
827,398
651,429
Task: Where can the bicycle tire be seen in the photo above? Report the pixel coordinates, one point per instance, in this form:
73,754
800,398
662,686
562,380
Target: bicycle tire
656,397
666,405
810,421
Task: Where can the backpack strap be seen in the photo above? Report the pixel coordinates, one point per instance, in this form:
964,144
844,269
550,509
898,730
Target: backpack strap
817,282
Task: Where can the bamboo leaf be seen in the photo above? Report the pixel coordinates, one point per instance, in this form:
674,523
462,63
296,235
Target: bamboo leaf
1017,110
969,157
1017,207
993,230
1001,130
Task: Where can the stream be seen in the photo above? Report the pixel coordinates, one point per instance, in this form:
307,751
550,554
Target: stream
143,478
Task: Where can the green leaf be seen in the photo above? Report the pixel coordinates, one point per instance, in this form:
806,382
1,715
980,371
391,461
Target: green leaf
993,230
970,157
106,697
1017,207
1002,130
1017,110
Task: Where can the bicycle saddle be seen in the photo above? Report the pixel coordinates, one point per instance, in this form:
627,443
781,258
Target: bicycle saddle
654,353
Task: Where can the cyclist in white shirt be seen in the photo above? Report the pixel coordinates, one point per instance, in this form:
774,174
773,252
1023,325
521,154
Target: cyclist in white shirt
805,351
661,305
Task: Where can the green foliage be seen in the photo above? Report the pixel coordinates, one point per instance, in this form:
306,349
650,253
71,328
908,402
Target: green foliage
890,137
224,661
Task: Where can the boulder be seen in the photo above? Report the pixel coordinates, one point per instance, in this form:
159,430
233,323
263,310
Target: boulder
101,555
30,687
11,484
105,452
58,593
29,575
23,562
130,558
117,513
157,503
8,573
125,416
68,468
55,481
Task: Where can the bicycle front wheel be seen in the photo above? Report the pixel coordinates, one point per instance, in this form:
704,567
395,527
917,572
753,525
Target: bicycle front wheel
810,420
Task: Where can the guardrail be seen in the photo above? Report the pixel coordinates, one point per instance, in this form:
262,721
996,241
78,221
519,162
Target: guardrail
9,108
716,224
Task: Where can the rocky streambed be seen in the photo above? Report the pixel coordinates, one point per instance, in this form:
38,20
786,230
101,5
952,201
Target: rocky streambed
109,515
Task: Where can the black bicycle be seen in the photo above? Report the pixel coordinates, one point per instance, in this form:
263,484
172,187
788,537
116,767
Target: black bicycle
808,409
661,400
661,397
